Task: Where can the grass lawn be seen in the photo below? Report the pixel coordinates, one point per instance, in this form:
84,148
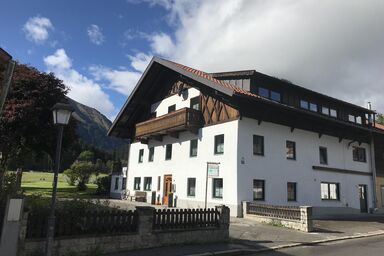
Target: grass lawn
41,183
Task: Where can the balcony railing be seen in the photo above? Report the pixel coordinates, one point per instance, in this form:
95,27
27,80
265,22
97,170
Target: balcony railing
172,123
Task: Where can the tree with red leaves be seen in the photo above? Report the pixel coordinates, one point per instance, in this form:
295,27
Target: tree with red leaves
26,122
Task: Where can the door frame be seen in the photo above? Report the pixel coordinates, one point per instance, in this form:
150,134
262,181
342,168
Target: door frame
363,208
164,186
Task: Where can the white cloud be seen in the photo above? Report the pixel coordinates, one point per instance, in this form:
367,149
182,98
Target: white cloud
36,29
334,47
122,81
140,61
82,88
95,34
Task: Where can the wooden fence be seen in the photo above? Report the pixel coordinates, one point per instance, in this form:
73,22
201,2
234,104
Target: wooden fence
91,222
274,211
167,219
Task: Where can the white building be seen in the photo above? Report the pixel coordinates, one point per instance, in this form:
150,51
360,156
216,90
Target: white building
118,183
272,142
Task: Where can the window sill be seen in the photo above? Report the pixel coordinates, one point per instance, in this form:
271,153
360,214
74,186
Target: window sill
292,159
192,156
258,154
218,154
191,196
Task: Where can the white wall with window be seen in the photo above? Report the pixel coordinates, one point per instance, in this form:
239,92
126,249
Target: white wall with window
118,183
275,167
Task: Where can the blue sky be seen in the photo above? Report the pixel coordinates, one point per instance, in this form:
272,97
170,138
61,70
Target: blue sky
100,48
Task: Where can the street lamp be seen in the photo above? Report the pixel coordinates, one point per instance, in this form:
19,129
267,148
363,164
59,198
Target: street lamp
61,114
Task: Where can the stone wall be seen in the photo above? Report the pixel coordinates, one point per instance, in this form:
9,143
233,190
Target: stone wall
305,222
145,237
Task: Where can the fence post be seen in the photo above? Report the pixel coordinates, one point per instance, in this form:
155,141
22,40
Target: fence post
306,218
145,216
244,206
224,216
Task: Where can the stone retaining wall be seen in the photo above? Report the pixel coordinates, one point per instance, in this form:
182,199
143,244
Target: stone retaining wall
305,222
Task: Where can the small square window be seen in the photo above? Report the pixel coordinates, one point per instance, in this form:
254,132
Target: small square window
151,154
219,144
291,191
333,112
195,103
330,191
136,184
313,107
304,104
291,150
193,148
358,120
263,92
258,190
258,145
217,188
141,155
172,108
351,118
191,185
275,96
359,154
168,152
323,155
325,111
147,183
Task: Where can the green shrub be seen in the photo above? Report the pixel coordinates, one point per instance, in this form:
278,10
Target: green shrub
70,176
103,185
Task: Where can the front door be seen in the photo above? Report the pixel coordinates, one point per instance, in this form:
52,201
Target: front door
167,188
363,198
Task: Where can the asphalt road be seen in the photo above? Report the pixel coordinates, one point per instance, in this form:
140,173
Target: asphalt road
355,247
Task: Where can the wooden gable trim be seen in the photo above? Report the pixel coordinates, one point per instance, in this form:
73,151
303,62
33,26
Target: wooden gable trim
215,111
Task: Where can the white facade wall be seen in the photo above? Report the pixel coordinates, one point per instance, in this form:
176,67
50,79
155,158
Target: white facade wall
182,166
276,170
117,190
238,165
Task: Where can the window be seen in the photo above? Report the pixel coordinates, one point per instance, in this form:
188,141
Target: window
325,111
263,92
195,103
117,183
291,150
172,108
193,148
141,155
359,154
304,104
219,144
136,184
151,154
330,191
258,145
291,191
152,115
258,190
168,152
275,96
333,112
351,118
147,183
191,185
217,188
313,107
358,120
323,155
124,184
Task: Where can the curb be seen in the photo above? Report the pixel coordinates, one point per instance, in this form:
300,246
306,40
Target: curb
284,246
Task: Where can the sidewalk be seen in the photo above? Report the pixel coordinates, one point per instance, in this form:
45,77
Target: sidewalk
247,236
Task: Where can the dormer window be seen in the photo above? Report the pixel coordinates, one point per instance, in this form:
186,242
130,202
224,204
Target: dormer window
333,112
325,111
273,95
172,108
304,104
313,107
263,92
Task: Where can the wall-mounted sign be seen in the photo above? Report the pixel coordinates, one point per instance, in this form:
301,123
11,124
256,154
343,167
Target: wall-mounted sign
213,169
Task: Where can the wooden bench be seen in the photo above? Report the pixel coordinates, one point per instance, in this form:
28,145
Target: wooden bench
140,196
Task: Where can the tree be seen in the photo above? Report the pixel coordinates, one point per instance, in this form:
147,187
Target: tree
26,122
380,118
83,171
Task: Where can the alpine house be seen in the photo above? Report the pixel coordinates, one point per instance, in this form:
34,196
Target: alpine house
203,139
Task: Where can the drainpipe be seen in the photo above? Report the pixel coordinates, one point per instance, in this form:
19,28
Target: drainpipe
373,169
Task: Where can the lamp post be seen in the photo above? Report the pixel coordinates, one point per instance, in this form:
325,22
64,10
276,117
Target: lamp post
61,114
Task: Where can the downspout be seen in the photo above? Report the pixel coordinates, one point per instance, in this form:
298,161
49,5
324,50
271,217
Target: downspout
373,169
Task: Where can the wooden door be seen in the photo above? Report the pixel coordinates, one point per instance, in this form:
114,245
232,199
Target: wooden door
363,198
167,188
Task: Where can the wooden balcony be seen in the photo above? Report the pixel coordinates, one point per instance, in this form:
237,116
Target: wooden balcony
184,119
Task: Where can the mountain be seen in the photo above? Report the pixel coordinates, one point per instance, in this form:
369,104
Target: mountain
93,126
